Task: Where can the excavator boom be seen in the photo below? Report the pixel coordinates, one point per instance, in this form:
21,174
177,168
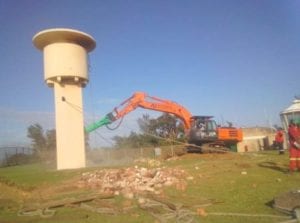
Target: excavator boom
141,99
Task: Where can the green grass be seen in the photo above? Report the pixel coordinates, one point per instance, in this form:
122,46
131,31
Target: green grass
29,177
234,183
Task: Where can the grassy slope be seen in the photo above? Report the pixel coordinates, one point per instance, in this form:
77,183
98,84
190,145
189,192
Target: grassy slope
239,184
242,184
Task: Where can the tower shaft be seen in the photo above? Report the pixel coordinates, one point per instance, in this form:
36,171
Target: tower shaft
70,143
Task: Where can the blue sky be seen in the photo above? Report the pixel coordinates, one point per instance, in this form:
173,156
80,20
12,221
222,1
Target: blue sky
236,59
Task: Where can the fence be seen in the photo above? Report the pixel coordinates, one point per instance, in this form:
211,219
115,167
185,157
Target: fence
99,157
6,152
117,157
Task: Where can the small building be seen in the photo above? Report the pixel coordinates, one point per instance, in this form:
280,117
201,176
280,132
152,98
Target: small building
261,138
256,139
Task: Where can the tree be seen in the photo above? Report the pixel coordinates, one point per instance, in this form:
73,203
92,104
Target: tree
51,139
166,126
36,134
154,131
42,142
131,141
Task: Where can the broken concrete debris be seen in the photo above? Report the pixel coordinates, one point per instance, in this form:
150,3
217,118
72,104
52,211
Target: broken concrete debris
132,181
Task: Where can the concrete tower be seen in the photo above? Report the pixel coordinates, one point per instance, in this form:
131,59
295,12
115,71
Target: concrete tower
66,70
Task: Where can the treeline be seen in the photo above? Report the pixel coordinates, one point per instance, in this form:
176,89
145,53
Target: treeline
164,130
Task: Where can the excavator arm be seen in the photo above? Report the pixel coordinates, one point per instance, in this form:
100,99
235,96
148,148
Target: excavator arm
201,130
141,99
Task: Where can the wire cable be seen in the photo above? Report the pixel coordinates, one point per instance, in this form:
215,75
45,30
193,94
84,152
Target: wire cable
80,110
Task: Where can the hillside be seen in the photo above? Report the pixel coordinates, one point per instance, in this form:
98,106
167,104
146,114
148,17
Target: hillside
191,188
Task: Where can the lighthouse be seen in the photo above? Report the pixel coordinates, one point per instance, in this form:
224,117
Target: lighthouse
65,53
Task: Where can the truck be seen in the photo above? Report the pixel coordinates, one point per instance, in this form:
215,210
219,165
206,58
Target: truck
202,132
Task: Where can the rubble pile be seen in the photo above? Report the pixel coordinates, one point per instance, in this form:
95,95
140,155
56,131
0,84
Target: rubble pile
133,180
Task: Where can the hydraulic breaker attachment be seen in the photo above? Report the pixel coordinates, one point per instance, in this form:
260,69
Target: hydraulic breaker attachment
104,121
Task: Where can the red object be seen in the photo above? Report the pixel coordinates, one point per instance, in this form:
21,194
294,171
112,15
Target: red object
298,149
279,136
293,159
294,135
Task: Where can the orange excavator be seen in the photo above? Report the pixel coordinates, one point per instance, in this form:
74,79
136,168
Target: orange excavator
200,130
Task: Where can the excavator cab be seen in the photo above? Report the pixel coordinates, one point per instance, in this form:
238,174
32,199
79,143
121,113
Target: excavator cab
203,130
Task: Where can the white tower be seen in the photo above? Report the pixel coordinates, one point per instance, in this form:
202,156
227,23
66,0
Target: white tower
66,70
